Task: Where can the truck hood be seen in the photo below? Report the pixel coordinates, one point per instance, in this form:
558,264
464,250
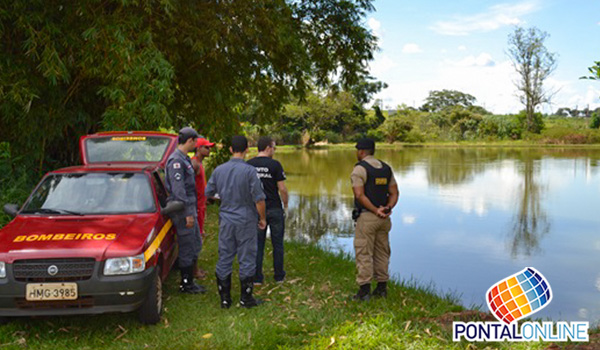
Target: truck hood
99,237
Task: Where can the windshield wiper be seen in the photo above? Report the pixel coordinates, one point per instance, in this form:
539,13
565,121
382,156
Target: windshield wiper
51,211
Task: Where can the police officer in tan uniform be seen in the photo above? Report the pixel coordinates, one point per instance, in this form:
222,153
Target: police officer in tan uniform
375,194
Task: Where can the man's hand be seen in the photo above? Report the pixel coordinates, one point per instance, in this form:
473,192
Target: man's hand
189,221
383,212
262,224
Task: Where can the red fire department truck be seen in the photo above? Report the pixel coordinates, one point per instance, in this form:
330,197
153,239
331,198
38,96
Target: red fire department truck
94,238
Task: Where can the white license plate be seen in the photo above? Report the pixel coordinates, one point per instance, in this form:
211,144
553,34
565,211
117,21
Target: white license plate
51,291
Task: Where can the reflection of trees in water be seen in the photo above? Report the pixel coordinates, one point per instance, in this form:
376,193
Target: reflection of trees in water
320,182
530,222
311,217
453,166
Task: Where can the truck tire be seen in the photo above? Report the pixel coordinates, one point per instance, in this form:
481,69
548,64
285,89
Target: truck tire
151,309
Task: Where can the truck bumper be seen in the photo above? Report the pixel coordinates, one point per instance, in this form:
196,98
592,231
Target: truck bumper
96,295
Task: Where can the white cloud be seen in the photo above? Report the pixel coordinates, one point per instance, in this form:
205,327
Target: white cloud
462,48
492,85
381,64
571,94
495,17
411,48
408,219
374,24
483,60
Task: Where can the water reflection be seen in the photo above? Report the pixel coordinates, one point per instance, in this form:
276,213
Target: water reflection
530,219
468,217
312,217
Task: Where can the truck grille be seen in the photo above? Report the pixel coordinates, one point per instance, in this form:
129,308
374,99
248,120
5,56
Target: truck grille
81,303
36,270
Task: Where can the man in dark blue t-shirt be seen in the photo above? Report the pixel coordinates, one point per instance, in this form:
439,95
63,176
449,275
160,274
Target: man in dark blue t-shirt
272,177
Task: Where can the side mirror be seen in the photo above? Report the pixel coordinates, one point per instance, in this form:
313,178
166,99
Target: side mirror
11,209
172,207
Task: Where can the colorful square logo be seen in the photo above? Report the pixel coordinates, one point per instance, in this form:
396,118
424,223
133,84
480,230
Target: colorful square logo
519,295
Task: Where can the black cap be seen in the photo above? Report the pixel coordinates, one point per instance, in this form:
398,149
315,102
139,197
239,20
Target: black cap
187,133
365,143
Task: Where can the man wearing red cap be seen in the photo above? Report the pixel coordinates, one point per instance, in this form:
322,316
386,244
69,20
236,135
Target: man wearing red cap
203,147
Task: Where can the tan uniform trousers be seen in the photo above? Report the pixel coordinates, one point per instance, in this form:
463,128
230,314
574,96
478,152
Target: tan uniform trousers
372,248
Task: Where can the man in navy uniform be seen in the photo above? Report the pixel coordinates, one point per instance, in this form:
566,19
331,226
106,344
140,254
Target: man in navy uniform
242,210
272,176
181,184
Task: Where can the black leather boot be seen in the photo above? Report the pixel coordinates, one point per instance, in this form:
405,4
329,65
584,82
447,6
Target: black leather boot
224,286
381,290
246,298
364,292
187,282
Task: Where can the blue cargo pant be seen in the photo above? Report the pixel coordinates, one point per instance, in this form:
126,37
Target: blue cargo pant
237,239
189,242
276,223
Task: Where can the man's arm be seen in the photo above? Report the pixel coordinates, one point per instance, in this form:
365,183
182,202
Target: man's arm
393,197
196,166
283,192
359,194
261,207
211,188
176,173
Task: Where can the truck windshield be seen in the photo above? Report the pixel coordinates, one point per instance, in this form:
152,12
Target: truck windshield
92,193
126,149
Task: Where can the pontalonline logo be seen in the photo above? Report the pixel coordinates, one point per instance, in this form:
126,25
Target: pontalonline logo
512,299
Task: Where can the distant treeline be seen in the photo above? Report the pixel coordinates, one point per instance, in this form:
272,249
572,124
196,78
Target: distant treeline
446,116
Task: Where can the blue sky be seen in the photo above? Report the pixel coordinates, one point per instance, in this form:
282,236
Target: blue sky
462,45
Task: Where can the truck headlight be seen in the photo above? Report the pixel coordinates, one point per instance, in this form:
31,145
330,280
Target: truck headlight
124,266
2,269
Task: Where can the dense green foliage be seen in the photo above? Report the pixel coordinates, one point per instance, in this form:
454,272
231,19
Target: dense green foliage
71,69
440,100
595,121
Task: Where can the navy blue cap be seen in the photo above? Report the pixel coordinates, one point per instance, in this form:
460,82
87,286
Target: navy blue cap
187,133
365,143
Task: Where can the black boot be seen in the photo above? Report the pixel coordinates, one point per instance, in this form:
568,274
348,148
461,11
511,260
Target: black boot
224,286
364,292
187,282
381,290
246,298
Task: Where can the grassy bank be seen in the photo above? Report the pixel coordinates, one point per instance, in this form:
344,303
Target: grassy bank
311,310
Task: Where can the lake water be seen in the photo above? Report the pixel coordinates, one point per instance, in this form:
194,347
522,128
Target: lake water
469,217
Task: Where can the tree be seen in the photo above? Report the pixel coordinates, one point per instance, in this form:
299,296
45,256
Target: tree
534,63
439,100
595,71
67,70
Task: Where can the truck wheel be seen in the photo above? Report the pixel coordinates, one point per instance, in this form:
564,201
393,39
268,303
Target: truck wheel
151,309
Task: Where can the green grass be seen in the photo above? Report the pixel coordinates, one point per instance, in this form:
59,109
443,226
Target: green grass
311,310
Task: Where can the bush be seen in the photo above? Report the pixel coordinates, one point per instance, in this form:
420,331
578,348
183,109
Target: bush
396,128
414,136
537,125
595,121
501,126
376,135
16,181
293,137
333,137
